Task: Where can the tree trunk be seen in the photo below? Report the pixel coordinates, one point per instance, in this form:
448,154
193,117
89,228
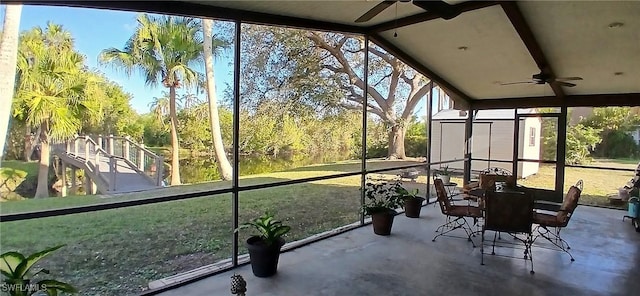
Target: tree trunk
42,191
8,59
34,143
29,143
175,145
226,172
396,142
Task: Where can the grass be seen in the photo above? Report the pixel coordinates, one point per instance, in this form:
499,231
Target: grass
17,179
598,184
631,162
30,167
117,252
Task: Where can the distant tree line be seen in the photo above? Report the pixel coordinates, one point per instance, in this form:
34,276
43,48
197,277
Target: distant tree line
605,133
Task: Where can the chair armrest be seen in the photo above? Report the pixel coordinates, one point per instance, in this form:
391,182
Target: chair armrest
459,198
547,205
478,192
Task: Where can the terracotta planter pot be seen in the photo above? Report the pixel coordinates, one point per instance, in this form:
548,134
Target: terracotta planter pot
412,207
382,222
264,258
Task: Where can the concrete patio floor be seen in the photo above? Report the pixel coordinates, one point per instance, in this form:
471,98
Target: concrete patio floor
606,249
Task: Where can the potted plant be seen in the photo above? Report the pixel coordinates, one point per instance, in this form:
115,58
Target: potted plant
382,200
412,202
17,281
444,175
264,249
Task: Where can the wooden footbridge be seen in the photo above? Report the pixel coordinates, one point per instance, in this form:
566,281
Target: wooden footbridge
110,164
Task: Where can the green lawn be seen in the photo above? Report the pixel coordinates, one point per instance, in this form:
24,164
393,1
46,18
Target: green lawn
633,162
17,179
30,167
598,184
117,252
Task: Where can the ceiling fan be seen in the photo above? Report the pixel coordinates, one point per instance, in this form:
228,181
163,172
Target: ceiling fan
542,78
438,7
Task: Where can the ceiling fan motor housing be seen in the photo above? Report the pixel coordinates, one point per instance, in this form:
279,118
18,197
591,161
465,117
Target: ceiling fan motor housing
540,78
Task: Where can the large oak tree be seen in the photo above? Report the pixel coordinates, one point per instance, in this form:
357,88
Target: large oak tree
319,70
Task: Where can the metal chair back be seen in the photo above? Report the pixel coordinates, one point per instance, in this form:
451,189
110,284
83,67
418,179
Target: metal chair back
509,212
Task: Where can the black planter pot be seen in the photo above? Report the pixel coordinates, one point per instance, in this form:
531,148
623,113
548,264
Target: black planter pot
382,222
264,258
413,206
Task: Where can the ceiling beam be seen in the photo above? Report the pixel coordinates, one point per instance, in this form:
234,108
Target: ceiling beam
427,16
204,10
461,99
514,14
600,100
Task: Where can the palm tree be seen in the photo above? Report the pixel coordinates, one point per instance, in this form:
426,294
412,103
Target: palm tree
189,100
8,58
214,119
164,50
53,90
160,106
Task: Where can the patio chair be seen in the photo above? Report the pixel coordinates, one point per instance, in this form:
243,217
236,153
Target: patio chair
559,220
512,213
487,180
455,214
452,193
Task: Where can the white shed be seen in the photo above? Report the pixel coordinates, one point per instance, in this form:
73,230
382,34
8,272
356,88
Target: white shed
492,139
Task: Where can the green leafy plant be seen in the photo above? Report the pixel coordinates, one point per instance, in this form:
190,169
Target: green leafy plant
444,171
269,228
384,196
15,268
406,194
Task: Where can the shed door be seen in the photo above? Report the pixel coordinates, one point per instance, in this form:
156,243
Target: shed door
481,148
452,144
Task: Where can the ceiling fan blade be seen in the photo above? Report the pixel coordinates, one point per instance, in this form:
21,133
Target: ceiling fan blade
568,78
518,82
380,7
567,84
438,7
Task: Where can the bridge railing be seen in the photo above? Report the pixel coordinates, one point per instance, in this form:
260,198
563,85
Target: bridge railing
137,156
119,150
93,154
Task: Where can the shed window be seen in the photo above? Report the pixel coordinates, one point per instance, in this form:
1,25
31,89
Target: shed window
532,137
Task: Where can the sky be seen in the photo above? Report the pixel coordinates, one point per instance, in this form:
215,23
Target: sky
94,30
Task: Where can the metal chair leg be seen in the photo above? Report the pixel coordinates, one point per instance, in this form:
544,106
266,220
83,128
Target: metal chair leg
529,245
453,224
554,238
482,248
493,247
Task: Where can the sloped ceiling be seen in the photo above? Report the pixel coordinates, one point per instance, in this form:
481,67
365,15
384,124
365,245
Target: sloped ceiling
335,11
578,41
463,51
481,49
